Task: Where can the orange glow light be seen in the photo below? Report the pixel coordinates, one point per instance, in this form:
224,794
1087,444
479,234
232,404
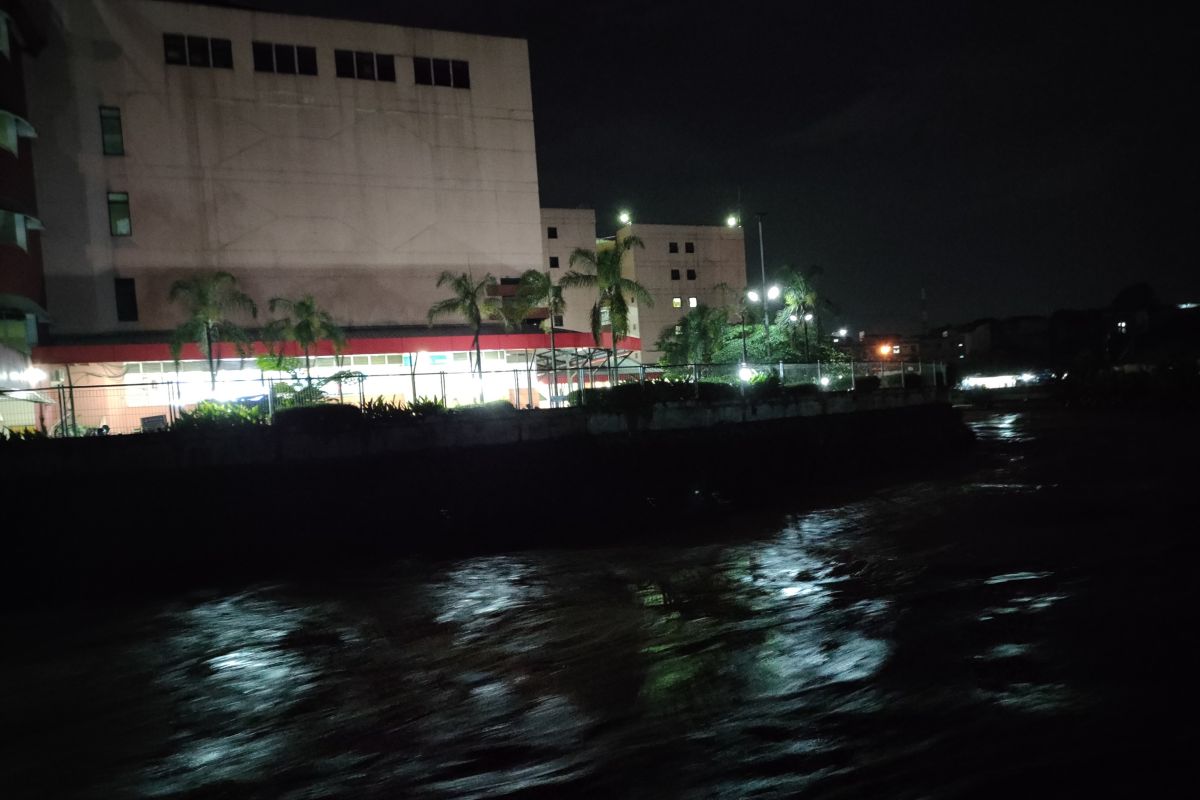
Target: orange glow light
885,349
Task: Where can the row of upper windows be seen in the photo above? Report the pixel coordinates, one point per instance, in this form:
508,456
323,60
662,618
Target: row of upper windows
292,59
677,302
688,247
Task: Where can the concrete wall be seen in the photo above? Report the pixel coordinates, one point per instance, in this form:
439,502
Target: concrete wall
359,192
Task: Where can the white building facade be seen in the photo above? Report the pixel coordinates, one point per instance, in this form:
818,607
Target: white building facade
347,160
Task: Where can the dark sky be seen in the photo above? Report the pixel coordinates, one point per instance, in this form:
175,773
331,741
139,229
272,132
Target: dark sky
1007,157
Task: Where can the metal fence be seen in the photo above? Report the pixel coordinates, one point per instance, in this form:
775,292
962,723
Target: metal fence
83,409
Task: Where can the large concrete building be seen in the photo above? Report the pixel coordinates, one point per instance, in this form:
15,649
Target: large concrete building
349,160
146,141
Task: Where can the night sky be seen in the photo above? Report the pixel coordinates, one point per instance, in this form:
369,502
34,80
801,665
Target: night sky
1009,158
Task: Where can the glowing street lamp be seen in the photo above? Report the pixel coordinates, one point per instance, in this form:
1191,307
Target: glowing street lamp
753,296
732,221
808,317
745,373
885,350
624,217
773,293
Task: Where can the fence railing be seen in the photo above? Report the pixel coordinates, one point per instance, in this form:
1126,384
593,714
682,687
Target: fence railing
84,409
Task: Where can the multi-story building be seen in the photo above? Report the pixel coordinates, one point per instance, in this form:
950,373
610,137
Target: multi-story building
22,288
348,160
351,161
682,267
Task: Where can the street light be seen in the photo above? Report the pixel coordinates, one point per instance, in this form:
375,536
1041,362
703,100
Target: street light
773,293
808,317
624,218
732,221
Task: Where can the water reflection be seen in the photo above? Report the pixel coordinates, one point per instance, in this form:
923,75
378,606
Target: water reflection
859,650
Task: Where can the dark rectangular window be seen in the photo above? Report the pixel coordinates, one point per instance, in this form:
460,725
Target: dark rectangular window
285,59
461,73
551,232
558,320
174,48
119,221
674,274
691,274
264,56
553,262
364,66
385,68
423,70
306,60
197,47
441,72
343,63
673,247
127,310
111,138
222,54
689,247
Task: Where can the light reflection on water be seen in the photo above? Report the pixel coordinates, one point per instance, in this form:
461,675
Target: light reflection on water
843,647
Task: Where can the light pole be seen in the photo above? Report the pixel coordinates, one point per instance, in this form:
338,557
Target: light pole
742,315
771,293
762,263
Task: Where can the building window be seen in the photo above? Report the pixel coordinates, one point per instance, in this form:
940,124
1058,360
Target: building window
691,274
441,72
689,247
174,48
551,232
119,221
285,59
674,274
364,66
691,302
127,310
676,302
553,262
197,51
678,330
673,247
111,139
558,320
222,53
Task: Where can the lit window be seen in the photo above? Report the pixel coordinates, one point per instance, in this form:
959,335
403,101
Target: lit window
112,141
678,330
676,302
1121,326
119,221
692,302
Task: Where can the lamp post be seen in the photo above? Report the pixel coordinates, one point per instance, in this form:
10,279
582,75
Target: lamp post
742,315
762,263
771,293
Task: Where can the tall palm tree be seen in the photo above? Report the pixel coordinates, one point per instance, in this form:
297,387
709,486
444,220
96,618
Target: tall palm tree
537,290
613,290
208,298
469,300
697,336
305,324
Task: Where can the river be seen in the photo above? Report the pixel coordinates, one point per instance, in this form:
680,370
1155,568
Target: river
1023,626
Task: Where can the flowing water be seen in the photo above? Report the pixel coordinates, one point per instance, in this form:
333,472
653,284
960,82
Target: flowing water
1024,627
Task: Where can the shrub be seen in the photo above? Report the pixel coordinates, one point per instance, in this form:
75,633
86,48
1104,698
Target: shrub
427,406
211,415
491,408
318,419
380,410
867,383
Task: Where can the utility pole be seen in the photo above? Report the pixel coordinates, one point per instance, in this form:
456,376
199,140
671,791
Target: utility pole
762,262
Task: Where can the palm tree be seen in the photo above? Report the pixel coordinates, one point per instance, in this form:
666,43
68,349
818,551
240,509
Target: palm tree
208,298
696,337
537,290
613,290
469,300
306,324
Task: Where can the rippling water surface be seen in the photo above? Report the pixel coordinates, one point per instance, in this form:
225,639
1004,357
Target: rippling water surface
1022,628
